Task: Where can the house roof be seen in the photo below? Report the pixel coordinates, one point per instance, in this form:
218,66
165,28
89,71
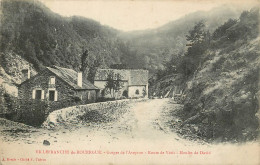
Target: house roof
138,77
134,77
70,76
102,74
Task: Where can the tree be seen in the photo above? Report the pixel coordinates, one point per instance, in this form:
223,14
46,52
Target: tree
197,34
199,41
117,82
144,92
125,93
84,57
89,65
114,83
110,82
222,30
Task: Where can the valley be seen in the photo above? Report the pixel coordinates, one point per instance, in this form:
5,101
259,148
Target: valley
210,60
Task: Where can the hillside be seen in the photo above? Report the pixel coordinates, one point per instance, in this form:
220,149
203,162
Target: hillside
222,93
43,38
156,46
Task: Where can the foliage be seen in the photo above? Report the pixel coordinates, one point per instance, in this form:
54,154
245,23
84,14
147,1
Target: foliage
197,34
44,38
8,103
199,38
220,75
221,30
130,57
158,45
113,83
233,30
32,112
84,57
188,62
125,93
90,65
144,92
200,41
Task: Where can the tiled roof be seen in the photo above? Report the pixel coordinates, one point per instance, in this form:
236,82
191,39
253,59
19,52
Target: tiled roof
138,77
70,76
101,74
134,77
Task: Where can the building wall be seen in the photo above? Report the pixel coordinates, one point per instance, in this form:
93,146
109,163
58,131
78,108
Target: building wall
41,82
101,85
87,96
132,91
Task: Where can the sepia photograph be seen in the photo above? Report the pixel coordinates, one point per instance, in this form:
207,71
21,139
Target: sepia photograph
129,82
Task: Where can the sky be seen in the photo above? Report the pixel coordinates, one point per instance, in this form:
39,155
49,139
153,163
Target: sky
129,15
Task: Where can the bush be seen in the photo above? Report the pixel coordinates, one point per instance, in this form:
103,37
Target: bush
31,112
125,93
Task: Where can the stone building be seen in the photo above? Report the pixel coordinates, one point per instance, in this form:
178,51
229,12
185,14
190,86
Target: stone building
57,84
134,82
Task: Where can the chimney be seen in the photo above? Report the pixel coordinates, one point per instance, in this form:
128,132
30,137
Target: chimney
79,83
26,74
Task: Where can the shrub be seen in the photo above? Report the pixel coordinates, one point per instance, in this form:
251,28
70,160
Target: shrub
125,93
31,112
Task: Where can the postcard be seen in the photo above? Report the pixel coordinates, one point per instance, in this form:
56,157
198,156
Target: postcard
129,82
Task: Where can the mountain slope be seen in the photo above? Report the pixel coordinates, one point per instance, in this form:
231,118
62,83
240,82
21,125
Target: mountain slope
222,94
44,38
158,45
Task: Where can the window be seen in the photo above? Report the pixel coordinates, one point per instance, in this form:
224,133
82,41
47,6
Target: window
137,92
51,95
52,80
38,94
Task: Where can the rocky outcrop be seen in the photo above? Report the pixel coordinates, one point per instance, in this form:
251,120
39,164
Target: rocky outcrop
11,72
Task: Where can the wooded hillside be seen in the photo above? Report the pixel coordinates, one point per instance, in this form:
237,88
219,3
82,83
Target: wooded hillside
219,74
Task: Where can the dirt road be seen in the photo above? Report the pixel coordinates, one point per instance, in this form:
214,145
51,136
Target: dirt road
140,136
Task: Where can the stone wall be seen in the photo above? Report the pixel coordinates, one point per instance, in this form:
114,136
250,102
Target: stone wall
69,115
